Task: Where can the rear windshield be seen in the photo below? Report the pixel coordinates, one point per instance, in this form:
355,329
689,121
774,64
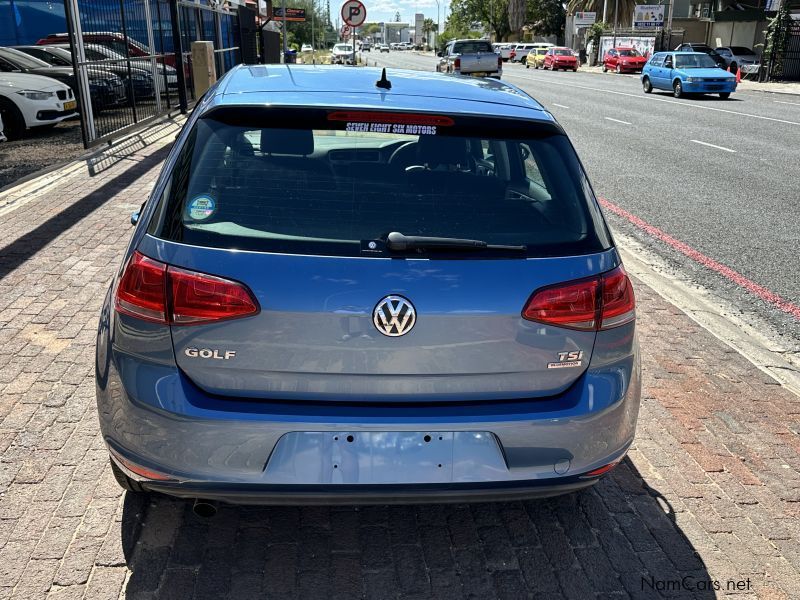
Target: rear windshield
562,52
472,47
630,52
343,180
694,61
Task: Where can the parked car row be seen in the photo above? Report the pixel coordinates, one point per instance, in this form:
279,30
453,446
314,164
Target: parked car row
626,59
553,58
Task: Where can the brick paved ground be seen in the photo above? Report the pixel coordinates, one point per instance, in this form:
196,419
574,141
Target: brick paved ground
710,492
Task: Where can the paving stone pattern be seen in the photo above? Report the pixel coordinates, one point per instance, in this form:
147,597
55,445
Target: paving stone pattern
710,493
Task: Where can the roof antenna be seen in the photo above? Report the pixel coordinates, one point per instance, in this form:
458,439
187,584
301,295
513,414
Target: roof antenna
383,82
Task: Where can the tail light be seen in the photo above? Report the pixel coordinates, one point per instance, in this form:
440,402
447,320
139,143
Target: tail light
500,62
141,291
457,64
589,304
156,292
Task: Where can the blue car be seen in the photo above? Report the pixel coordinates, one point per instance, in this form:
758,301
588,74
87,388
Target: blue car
350,286
685,73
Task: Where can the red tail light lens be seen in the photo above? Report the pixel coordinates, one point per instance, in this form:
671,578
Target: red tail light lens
499,62
571,305
457,63
195,297
588,304
618,301
142,291
198,298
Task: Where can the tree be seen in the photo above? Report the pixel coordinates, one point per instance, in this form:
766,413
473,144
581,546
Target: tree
625,9
300,33
397,17
546,17
492,13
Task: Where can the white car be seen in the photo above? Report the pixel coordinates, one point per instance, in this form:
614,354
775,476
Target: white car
306,48
139,63
342,54
28,101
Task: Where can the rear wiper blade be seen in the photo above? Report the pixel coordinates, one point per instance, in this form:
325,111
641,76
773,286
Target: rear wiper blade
397,242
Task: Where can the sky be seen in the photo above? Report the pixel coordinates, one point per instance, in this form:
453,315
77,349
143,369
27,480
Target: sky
384,10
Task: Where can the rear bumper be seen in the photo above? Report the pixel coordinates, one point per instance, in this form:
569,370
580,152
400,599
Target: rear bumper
230,450
343,495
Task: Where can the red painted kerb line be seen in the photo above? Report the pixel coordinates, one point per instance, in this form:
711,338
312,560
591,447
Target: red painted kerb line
706,261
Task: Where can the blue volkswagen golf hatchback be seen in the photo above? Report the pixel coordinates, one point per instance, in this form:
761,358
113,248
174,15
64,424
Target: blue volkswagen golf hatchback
352,287
685,73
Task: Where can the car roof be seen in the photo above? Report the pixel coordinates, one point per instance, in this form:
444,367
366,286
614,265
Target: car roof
332,86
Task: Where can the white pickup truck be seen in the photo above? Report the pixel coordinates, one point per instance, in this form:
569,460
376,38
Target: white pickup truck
470,57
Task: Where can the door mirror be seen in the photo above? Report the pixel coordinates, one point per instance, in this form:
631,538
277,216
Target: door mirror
135,218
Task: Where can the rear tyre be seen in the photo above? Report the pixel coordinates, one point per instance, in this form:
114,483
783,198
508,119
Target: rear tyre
724,95
575,70
677,88
13,121
125,482
647,86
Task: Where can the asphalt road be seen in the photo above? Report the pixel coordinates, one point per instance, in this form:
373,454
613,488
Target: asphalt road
722,177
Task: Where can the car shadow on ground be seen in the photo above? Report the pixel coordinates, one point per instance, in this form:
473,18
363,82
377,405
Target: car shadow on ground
620,536
710,97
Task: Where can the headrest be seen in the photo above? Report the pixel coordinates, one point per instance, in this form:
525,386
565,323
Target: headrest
297,142
433,150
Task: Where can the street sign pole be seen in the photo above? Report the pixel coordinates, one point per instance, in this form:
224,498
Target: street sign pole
354,13
283,4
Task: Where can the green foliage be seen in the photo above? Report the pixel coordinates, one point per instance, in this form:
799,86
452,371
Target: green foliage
300,33
777,41
493,14
594,33
429,26
546,17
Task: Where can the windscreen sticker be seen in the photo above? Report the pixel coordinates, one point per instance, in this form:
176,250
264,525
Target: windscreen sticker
201,208
401,128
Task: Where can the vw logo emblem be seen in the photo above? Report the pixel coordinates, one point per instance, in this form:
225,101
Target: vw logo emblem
394,316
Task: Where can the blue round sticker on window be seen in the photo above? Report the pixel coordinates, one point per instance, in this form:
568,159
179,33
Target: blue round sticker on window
201,208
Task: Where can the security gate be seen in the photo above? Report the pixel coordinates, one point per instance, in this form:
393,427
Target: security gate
142,49
783,63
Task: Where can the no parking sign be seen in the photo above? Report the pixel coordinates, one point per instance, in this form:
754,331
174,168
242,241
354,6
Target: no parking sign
354,13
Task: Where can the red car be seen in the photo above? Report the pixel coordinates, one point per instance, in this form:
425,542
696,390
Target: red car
560,58
115,41
623,59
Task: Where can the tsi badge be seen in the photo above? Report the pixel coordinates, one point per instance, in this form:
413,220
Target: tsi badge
567,359
209,353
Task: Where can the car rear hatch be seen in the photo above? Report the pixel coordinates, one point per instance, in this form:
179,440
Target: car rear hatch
294,268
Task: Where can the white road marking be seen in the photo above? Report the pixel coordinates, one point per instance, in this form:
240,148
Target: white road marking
617,121
784,102
714,146
560,105
654,98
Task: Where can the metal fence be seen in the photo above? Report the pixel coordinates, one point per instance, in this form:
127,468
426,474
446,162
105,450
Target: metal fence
783,64
144,46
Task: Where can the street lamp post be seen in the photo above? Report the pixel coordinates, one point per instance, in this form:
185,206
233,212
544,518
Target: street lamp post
436,37
616,7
